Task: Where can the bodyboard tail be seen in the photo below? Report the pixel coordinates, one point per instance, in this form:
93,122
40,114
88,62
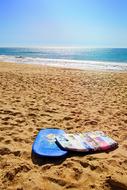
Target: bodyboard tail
45,143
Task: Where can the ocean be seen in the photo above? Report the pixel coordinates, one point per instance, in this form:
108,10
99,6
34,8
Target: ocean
77,58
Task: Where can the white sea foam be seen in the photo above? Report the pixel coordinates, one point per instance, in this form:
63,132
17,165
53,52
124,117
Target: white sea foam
73,64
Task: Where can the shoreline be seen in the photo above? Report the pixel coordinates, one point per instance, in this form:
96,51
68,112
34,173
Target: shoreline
69,64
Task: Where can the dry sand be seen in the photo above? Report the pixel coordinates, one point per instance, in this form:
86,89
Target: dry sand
34,97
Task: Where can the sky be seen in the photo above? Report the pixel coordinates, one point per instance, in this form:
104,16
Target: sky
89,23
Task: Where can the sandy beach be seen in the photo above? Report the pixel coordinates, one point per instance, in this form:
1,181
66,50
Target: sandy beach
34,97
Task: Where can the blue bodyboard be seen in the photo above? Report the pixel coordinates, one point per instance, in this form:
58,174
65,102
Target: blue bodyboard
45,143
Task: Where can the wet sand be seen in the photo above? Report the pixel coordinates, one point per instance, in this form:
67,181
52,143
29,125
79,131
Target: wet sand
34,97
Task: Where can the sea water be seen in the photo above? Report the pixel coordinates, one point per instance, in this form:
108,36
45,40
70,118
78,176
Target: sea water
69,57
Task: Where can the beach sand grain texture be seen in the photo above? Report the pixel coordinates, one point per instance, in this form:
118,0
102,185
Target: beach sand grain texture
35,97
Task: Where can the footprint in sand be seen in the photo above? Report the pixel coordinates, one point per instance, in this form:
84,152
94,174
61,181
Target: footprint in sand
5,151
8,141
30,129
77,173
6,118
10,175
1,139
60,182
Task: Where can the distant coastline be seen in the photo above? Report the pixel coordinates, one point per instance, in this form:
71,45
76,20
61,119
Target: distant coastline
76,58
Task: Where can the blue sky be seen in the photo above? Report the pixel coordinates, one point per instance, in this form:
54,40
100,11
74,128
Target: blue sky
90,23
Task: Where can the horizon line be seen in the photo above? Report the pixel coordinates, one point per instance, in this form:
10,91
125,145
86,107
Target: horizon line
55,47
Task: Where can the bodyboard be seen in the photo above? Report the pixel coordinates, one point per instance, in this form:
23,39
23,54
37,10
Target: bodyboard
85,142
44,144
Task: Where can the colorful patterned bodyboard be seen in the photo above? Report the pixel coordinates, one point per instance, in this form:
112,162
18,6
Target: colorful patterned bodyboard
85,142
